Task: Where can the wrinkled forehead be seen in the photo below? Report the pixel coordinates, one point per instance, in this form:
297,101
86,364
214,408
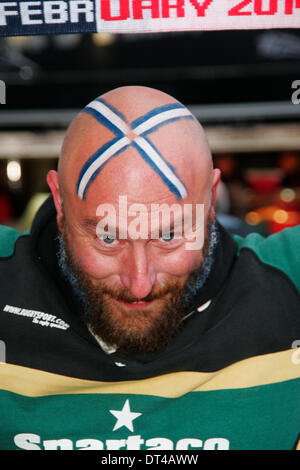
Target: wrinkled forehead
137,135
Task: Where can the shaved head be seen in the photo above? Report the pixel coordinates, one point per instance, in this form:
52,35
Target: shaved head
181,143
143,145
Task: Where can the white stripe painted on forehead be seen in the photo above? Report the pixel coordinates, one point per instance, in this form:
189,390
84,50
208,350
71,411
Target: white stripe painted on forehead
161,165
99,162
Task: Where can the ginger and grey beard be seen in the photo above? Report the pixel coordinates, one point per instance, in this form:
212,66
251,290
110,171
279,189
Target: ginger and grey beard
137,331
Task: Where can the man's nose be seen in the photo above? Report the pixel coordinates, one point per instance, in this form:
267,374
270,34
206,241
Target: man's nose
138,273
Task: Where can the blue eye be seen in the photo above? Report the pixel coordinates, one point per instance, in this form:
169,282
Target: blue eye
168,237
107,239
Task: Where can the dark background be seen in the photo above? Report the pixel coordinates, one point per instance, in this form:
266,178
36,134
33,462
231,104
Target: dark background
197,67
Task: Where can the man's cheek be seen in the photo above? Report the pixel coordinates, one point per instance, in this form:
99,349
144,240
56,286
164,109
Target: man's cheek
95,265
181,263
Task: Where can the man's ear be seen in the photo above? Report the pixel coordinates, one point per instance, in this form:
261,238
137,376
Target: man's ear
215,181
52,180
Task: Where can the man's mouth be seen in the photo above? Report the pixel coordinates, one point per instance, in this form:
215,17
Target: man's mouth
135,305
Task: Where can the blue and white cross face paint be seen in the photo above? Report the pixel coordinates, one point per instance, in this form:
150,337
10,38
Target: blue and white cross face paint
135,135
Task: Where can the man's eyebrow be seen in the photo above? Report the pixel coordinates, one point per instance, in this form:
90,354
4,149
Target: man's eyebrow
90,223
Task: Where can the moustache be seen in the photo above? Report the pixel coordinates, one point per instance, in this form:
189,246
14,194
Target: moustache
125,296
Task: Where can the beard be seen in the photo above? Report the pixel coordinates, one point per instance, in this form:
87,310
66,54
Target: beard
141,330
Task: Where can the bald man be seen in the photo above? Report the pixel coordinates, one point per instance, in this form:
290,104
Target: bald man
131,319
140,282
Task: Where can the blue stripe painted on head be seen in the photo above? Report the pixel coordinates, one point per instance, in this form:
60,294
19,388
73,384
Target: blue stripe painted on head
96,172
94,157
103,120
157,170
154,112
112,108
167,121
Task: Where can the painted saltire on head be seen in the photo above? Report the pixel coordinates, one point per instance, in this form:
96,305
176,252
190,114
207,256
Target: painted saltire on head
141,127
